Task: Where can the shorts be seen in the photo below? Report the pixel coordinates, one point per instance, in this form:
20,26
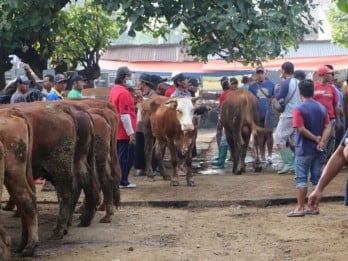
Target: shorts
284,132
308,165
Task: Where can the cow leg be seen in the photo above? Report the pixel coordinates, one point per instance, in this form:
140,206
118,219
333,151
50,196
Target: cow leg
257,163
5,244
174,158
10,205
107,187
189,180
75,198
148,148
159,149
25,201
234,150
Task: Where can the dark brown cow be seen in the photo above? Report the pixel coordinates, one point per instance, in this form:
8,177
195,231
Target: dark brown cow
54,141
16,137
239,116
170,122
105,125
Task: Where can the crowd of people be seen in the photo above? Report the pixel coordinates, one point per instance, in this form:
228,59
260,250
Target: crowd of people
309,132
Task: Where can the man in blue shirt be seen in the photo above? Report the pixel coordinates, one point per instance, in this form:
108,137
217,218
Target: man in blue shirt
263,89
56,92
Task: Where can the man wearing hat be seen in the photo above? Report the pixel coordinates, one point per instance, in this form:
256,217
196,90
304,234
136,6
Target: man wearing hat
181,88
123,102
326,94
22,87
56,92
78,83
146,85
263,90
158,82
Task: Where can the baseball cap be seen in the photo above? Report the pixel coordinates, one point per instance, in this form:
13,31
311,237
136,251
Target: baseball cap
77,78
193,82
259,69
22,79
146,78
324,70
299,74
157,79
60,78
179,77
122,71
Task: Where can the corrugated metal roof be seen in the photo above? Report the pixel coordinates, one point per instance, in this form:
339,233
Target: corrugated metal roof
174,53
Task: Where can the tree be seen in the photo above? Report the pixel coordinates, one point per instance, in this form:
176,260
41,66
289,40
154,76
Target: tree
339,24
23,25
83,34
342,5
248,31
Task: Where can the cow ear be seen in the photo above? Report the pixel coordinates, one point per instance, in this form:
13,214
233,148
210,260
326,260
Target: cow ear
172,103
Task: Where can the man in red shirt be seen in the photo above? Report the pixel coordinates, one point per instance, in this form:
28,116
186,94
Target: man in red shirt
123,101
325,93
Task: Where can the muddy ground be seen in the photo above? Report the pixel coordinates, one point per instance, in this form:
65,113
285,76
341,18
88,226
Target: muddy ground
225,217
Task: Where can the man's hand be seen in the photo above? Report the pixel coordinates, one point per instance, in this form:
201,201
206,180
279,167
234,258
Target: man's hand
132,139
313,199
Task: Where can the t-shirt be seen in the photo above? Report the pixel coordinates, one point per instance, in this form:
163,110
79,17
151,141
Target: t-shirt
124,104
263,91
326,94
313,116
169,91
54,95
17,97
223,97
74,94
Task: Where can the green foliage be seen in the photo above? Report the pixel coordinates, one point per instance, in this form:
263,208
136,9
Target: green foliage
339,23
244,30
342,5
83,34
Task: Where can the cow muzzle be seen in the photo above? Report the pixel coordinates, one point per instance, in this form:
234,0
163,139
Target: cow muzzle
187,127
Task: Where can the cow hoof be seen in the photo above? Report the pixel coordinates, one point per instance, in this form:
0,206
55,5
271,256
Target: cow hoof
174,183
166,177
238,173
106,219
191,183
258,169
9,206
101,208
29,251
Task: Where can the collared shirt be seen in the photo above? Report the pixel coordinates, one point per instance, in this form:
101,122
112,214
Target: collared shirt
74,94
181,93
326,94
124,104
54,95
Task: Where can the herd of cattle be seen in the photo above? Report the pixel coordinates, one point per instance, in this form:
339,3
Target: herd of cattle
73,144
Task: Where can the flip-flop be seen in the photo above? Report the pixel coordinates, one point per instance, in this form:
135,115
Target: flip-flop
296,214
311,212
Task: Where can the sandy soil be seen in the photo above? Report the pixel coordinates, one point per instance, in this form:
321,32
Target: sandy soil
228,233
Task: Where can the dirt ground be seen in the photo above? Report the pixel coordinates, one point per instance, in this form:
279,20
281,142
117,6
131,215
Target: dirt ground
225,217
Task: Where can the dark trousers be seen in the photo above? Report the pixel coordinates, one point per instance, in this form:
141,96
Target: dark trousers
139,157
126,157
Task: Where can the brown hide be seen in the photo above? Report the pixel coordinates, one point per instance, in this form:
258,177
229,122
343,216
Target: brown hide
54,140
160,122
239,116
16,136
105,127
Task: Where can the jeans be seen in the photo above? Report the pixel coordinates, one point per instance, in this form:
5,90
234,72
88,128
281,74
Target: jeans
308,165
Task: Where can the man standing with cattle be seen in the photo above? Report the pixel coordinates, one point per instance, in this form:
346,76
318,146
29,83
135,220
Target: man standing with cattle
289,95
146,84
263,89
123,101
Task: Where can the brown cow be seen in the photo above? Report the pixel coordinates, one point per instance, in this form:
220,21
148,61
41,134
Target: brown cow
5,239
170,122
16,136
105,125
239,116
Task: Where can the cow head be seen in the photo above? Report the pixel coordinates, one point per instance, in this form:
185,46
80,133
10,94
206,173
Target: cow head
184,112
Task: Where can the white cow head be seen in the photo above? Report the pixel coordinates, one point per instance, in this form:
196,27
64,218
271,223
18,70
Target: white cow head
184,112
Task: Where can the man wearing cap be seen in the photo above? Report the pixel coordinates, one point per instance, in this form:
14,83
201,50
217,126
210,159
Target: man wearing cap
146,85
326,94
284,133
263,90
56,92
180,83
22,87
78,83
123,102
